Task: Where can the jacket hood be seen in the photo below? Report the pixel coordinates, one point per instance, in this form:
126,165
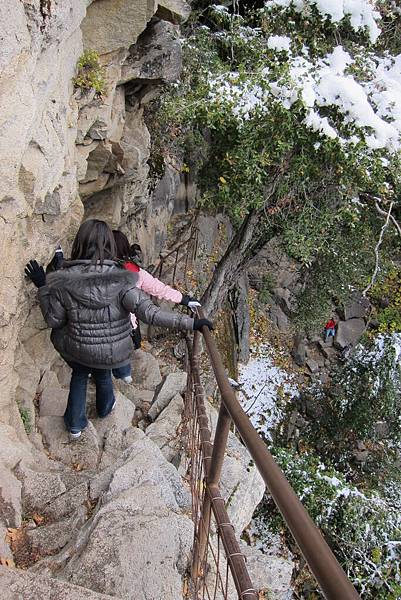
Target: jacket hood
92,285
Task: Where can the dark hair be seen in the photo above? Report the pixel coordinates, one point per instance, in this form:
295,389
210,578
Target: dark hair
122,244
95,241
135,249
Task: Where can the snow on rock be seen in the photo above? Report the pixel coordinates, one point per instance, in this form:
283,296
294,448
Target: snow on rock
263,385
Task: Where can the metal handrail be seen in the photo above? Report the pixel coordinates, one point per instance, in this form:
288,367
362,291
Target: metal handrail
330,576
213,500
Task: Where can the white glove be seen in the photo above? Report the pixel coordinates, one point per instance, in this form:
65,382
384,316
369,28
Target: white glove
193,305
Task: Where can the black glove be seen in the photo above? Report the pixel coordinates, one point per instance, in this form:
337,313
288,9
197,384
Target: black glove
35,273
190,302
136,337
199,323
57,261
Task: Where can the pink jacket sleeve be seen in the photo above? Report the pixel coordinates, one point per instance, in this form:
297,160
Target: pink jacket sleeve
154,287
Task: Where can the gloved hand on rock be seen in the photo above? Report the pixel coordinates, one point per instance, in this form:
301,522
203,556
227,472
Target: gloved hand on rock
36,273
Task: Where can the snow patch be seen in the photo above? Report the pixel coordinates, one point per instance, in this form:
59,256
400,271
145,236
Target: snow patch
361,13
264,385
279,43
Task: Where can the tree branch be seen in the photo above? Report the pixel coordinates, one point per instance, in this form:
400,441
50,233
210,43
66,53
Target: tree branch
377,248
245,244
376,200
392,218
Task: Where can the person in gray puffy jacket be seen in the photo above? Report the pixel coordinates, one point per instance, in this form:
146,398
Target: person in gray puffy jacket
87,304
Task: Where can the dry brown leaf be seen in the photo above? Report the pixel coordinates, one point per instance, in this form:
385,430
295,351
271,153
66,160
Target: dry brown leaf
12,535
7,562
38,518
77,466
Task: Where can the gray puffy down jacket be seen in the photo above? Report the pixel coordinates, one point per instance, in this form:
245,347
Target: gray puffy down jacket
88,307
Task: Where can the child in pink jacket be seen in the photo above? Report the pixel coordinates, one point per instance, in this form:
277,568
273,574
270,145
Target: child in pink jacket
148,283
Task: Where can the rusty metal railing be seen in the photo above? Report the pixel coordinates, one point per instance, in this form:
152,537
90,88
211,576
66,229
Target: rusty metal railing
210,569
206,460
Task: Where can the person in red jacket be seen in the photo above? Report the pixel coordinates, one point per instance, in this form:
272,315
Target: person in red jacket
330,329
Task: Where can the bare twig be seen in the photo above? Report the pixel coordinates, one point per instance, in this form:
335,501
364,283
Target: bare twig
377,248
392,218
382,212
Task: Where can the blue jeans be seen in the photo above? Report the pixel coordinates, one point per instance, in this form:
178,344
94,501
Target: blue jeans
330,332
75,417
123,371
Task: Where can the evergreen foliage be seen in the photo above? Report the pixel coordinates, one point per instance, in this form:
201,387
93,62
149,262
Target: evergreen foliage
313,95
311,90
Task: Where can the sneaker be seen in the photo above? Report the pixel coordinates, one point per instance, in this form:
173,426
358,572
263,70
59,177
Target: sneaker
74,435
127,379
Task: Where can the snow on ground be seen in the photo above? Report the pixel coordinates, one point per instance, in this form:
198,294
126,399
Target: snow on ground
264,388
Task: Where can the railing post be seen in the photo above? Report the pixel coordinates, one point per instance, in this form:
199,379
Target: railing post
204,523
213,500
219,445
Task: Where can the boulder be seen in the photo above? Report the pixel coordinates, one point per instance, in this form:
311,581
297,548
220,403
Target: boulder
298,352
358,308
38,487
270,573
327,350
66,504
156,57
83,451
10,498
285,299
31,586
175,11
312,365
279,318
175,383
120,418
49,539
53,401
12,450
100,483
117,550
272,260
164,432
241,484
112,26
115,442
349,332
145,370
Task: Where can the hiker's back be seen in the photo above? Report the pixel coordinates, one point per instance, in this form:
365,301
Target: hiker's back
97,331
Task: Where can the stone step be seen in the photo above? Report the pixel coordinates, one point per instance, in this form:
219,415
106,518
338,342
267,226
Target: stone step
25,585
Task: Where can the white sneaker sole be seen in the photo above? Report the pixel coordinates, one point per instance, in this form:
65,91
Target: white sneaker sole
75,436
127,379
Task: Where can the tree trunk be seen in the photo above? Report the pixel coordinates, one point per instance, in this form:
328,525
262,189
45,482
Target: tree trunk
244,246
246,243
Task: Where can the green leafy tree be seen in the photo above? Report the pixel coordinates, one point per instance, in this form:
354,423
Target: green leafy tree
301,108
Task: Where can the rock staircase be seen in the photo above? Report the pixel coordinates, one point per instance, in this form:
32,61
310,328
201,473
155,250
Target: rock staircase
109,515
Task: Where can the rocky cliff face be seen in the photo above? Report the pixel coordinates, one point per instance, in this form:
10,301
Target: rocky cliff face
67,152
109,515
